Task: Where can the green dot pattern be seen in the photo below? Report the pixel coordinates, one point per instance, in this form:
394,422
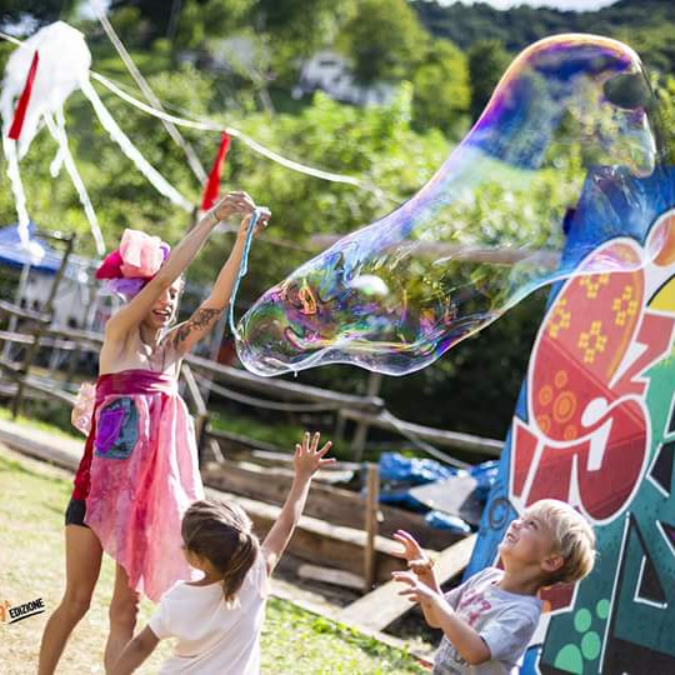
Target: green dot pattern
569,660
582,620
602,609
590,646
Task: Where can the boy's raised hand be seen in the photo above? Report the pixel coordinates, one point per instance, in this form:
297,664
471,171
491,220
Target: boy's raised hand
308,458
416,590
418,561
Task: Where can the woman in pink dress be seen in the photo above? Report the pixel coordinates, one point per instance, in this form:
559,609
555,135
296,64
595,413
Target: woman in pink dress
139,471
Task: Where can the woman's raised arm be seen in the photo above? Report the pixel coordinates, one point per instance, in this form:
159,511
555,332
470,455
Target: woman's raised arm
187,334
133,313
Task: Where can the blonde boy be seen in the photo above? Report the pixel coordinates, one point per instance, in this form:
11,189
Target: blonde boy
489,620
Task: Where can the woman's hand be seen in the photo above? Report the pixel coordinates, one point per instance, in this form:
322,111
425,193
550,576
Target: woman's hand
261,223
233,202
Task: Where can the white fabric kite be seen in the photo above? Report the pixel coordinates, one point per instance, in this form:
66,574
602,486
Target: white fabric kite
39,77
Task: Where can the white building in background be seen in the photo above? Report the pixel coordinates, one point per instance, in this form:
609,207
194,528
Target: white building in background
330,72
238,54
77,304
326,71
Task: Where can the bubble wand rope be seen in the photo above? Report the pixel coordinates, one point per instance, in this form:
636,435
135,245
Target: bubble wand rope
243,268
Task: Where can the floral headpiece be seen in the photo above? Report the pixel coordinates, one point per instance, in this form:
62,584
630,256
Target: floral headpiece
133,264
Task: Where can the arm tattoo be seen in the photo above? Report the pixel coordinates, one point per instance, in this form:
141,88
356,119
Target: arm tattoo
201,320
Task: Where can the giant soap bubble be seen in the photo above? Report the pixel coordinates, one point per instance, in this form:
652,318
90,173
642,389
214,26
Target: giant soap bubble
484,232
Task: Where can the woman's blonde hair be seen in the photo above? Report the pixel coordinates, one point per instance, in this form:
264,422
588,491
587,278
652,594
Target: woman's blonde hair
573,538
221,533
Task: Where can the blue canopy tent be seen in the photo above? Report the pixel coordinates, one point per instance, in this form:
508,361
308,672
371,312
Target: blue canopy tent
14,254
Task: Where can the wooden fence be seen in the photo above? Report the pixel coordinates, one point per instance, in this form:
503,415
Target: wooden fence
346,530
200,376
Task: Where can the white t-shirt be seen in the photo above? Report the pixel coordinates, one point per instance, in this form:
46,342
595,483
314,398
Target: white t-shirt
212,637
506,622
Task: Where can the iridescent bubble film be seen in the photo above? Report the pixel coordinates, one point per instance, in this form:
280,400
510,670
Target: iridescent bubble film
483,233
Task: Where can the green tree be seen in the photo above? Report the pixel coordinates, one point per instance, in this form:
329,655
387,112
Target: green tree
186,23
200,20
487,62
40,11
442,92
292,31
378,144
664,111
385,40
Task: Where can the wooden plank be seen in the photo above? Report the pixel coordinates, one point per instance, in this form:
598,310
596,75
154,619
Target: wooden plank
41,445
314,540
362,409
283,389
334,504
319,542
384,605
317,605
195,394
371,512
286,459
451,439
456,496
361,432
11,308
236,443
49,342
328,575
201,412
48,389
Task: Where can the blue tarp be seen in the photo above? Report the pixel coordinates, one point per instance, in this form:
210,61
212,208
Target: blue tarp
398,474
444,521
13,253
414,471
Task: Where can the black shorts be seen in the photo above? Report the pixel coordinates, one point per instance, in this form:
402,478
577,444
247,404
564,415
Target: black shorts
77,508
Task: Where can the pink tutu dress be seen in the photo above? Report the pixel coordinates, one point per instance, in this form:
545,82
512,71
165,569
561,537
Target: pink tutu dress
139,474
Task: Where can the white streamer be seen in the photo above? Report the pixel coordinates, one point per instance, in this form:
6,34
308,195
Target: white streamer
58,131
57,163
235,133
155,178
130,150
191,156
9,148
34,250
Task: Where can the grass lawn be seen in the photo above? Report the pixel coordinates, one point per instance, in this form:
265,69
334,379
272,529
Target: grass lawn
33,498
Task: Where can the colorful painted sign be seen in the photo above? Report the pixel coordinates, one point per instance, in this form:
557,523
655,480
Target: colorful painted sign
595,427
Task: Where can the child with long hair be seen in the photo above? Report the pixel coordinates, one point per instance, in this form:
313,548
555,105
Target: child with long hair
217,620
139,470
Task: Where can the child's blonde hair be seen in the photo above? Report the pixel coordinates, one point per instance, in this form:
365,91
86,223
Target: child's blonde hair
573,538
222,534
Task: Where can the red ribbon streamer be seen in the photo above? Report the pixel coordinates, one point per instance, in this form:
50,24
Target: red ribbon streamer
24,99
210,195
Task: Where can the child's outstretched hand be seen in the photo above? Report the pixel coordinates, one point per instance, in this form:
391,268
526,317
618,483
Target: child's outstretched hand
308,458
416,590
418,561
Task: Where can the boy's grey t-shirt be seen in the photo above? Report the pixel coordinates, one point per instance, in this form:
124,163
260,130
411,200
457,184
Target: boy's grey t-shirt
506,622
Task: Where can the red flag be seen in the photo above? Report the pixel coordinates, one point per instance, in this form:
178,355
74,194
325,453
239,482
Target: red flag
22,105
213,183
